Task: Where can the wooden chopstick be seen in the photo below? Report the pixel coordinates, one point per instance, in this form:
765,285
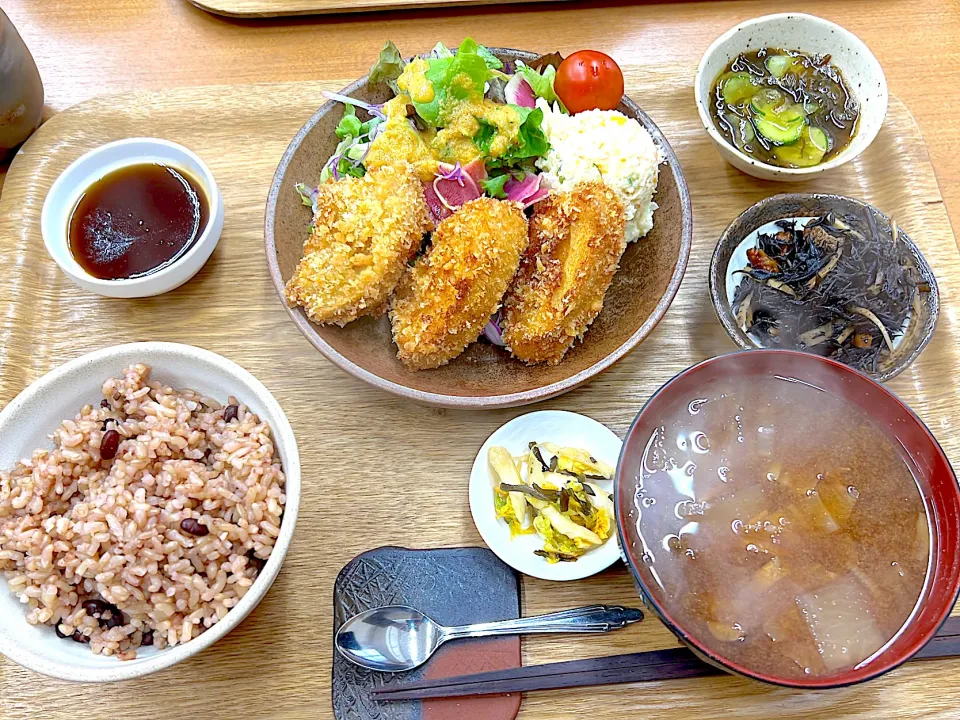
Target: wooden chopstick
633,667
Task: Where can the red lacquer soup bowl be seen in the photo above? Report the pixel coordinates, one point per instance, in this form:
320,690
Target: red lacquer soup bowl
919,448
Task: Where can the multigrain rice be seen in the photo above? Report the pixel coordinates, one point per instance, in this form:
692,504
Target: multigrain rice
76,527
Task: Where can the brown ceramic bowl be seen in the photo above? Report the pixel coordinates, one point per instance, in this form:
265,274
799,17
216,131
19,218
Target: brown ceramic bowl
791,205
21,92
484,376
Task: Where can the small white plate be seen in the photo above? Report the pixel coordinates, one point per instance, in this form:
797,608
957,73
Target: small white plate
561,428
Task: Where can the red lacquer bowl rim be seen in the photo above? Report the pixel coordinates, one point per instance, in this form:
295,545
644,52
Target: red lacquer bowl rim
904,646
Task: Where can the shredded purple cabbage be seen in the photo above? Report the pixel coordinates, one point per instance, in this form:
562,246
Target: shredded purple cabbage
456,173
375,110
492,331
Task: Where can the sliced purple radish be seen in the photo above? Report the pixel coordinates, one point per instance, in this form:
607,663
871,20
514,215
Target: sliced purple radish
519,92
437,210
477,170
526,191
520,190
539,195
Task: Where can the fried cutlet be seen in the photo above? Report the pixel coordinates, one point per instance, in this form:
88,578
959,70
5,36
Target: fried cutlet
576,240
443,302
365,231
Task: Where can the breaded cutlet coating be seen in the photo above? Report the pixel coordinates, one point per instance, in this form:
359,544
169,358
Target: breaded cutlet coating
365,232
442,304
576,240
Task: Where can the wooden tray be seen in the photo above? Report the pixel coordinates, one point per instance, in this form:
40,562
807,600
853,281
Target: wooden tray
373,463
279,8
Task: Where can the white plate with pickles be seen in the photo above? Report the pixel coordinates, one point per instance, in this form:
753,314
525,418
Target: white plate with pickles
540,495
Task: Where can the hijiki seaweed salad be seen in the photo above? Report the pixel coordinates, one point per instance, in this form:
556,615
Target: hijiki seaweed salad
825,287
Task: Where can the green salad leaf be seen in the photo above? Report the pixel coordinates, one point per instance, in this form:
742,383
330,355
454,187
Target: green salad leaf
388,67
484,137
493,186
492,61
355,138
440,51
349,125
531,141
541,82
457,77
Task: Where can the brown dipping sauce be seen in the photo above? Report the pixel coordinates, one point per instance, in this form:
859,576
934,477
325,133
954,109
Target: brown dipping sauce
136,220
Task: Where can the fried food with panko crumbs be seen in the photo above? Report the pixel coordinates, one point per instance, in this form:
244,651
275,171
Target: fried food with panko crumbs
576,240
443,302
365,231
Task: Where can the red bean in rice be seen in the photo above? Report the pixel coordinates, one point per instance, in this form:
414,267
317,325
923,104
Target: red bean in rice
75,526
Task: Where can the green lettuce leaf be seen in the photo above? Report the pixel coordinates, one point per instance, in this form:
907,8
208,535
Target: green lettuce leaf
493,186
532,142
388,67
484,137
458,77
541,82
349,125
492,61
440,51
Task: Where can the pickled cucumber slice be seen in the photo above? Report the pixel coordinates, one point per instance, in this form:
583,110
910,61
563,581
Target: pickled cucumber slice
738,88
808,151
777,133
778,65
766,100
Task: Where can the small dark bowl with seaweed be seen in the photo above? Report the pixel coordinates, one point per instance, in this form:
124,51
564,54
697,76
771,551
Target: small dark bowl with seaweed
849,284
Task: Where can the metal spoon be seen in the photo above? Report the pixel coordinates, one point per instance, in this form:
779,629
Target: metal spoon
398,638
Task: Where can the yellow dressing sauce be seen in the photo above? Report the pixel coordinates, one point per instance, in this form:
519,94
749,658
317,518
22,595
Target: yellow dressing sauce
414,83
460,116
398,141
454,142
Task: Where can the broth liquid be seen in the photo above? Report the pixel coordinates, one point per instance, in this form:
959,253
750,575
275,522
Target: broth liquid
789,537
136,220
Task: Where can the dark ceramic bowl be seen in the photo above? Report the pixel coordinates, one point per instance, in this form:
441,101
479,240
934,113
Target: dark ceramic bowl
780,207
484,376
928,462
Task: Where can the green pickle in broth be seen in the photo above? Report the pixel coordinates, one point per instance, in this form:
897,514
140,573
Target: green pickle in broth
784,107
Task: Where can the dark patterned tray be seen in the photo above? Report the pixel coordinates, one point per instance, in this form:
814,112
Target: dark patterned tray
453,586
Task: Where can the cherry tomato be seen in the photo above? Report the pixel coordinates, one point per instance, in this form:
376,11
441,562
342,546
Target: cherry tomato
589,80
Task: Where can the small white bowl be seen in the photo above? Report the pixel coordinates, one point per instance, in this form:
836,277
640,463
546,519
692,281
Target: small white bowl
809,34
67,189
561,428
27,422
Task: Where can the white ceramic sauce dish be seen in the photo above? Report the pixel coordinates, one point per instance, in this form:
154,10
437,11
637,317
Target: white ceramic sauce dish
565,429
27,422
68,188
808,34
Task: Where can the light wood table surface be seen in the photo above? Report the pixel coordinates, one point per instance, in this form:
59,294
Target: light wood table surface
89,47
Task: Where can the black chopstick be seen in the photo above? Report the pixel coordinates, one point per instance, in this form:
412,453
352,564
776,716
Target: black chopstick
669,664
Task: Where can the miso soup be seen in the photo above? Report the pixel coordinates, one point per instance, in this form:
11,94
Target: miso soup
783,527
